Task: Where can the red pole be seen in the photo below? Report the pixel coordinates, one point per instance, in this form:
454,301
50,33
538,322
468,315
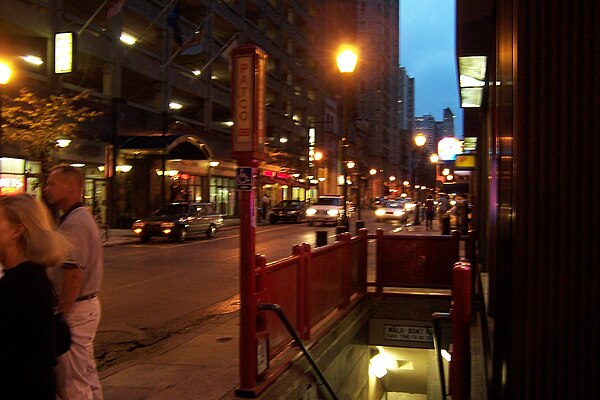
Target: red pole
362,266
301,251
378,265
460,366
248,306
248,84
346,268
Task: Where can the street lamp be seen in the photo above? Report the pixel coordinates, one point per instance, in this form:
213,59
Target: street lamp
346,62
372,172
435,160
211,165
5,73
392,185
318,157
420,141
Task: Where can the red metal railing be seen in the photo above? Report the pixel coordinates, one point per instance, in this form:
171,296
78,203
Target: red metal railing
315,288
415,260
460,315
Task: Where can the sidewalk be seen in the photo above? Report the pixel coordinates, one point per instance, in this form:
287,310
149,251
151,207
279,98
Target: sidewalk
198,365
202,364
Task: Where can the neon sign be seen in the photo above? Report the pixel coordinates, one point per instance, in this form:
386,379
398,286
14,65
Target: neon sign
11,185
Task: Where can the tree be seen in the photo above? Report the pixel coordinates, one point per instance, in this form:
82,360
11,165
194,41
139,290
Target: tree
39,122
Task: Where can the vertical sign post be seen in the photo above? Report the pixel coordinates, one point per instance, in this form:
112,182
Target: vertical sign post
248,133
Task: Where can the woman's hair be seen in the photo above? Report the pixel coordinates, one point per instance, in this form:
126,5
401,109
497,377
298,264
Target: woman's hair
41,243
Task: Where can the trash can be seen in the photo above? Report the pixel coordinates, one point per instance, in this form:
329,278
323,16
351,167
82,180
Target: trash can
462,217
445,224
341,229
359,225
321,238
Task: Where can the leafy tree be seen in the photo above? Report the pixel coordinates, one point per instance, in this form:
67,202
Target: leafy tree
39,121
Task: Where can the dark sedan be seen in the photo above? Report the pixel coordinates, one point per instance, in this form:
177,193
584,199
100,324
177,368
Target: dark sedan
288,211
178,220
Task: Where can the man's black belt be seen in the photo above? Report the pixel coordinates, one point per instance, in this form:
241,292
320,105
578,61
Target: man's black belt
87,297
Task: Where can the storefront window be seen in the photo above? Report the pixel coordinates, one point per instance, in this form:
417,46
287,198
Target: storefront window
299,193
19,176
222,195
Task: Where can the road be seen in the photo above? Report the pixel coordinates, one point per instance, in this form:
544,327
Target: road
154,290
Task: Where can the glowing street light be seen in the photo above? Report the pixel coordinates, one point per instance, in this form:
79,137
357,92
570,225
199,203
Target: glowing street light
5,73
346,59
372,172
420,141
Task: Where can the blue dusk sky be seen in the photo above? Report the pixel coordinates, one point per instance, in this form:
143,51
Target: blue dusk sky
427,50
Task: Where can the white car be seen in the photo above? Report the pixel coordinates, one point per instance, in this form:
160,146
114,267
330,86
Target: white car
327,209
392,210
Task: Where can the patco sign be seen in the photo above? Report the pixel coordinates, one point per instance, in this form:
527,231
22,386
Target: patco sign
248,131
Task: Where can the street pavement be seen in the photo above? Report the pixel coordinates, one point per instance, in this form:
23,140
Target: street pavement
199,364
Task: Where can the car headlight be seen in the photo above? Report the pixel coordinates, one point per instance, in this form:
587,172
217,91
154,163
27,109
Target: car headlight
311,211
332,213
167,224
380,211
410,206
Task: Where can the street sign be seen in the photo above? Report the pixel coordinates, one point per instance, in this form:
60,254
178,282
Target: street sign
408,333
249,74
243,178
465,161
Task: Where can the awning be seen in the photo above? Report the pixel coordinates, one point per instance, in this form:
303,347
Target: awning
185,147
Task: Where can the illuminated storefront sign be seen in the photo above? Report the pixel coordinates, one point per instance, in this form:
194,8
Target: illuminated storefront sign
448,148
249,91
63,52
279,175
10,185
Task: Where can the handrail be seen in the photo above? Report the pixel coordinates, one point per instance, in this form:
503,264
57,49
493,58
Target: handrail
277,309
437,317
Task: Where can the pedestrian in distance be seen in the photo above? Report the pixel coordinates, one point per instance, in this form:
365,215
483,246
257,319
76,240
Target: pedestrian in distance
265,206
77,283
429,212
29,245
443,205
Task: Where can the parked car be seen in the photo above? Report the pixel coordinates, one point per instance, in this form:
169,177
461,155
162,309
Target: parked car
392,210
326,209
178,220
288,211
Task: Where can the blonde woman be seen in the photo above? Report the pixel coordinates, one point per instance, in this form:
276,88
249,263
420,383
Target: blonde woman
29,245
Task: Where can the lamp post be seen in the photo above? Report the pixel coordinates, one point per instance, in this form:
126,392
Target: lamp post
5,73
372,172
318,157
435,159
211,165
391,185
420,141
346,62
344,218
351,165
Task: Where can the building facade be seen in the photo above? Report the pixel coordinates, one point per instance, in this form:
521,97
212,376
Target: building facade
534,159
165,91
